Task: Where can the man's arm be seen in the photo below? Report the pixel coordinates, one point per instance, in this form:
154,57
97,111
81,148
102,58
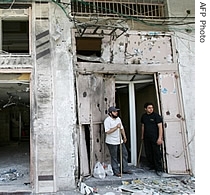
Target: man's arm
124,136
113,129
160,137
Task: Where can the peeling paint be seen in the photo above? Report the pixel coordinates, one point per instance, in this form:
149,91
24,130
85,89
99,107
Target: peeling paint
164,91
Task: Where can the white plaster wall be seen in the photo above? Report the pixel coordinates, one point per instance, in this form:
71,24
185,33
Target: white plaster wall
178,8
185,46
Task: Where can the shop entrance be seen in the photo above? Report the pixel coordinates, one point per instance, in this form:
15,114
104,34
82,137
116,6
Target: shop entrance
15,131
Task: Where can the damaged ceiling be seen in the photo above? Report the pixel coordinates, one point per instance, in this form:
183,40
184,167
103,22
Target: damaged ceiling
14,90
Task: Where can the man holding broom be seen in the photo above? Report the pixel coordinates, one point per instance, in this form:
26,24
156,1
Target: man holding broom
116,139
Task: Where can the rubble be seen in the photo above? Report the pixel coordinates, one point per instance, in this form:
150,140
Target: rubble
146,186
10,175
163,186
143,182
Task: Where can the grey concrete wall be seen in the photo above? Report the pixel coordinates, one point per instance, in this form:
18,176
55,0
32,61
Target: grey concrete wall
63,101
43,144
54,159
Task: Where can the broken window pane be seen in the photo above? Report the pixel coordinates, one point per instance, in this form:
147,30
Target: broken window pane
88,49
15,36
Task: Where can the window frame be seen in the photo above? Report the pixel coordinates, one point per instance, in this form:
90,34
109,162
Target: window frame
15,15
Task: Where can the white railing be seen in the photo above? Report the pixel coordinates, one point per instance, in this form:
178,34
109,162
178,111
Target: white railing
121,8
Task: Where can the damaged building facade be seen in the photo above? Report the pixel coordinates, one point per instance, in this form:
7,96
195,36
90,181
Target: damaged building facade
63,63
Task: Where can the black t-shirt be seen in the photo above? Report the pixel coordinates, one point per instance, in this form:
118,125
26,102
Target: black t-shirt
150,122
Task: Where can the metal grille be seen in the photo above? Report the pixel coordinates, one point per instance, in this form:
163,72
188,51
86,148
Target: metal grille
121,8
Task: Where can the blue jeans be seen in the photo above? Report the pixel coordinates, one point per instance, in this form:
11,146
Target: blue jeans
113,150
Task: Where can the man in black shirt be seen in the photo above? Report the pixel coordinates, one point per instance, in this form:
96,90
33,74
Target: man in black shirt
152,134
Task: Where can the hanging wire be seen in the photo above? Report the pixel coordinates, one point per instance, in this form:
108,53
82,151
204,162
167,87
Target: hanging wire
181,40
157,23
11,4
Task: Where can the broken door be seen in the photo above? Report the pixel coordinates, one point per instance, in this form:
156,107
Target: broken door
176,150
95,93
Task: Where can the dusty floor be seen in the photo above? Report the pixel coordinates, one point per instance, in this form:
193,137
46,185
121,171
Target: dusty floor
143,182
14,177
14,167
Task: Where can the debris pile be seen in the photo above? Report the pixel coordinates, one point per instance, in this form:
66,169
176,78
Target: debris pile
145,186
163,186
10,175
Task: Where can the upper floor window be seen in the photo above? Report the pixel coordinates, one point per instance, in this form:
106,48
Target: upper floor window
14,31
15,37
88,49
123,8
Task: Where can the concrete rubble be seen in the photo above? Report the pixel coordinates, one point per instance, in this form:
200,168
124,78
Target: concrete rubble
141,182
14,177
146,187
145,183
157,187
10,175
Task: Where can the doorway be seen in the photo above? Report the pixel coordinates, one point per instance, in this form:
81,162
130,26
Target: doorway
164,90
131,92
15,131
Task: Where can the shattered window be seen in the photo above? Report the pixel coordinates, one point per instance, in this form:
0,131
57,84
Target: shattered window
15,36
88,49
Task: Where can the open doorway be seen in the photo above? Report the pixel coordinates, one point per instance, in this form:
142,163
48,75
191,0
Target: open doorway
14,131
163,89
132,91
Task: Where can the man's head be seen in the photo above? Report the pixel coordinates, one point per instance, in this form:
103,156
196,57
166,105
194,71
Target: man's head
149,107
113,112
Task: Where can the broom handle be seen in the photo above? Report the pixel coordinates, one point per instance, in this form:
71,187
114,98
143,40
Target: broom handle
138,163
120,154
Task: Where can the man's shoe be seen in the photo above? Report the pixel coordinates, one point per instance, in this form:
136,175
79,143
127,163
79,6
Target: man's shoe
127,172
159,173
118,174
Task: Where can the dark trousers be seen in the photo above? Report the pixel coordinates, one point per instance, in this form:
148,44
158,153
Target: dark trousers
113,150
153,154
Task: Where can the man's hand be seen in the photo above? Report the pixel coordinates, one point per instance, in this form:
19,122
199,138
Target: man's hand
159,141
124,139
118,125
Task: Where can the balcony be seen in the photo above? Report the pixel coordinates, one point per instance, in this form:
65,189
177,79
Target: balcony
123,8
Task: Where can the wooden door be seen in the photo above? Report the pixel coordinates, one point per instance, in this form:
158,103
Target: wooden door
175,141
95,93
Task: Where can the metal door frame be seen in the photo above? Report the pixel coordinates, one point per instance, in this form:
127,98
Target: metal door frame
132,116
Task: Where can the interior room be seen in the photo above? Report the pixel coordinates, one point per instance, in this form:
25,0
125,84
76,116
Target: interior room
14,131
